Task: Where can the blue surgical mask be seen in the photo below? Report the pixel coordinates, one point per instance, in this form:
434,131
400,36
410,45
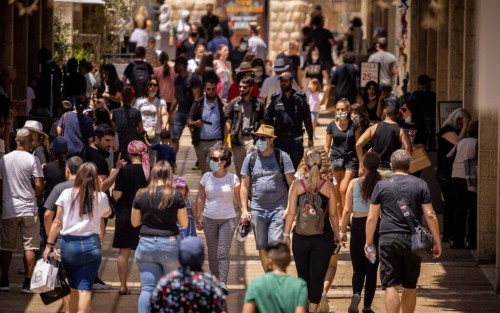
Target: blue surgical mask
408,120
258,74
213,165
342,115
261,145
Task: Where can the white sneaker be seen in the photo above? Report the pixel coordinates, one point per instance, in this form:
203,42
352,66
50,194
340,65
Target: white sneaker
323,304
224,288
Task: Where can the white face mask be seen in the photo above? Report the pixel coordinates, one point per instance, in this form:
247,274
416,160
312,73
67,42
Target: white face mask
342,115
258,74
314,58
261,145
214,166
408,120
372,97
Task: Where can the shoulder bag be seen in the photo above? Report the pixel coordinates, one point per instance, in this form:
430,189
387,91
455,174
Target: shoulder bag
421,237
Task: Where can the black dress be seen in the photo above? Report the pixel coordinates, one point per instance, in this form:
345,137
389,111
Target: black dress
129,180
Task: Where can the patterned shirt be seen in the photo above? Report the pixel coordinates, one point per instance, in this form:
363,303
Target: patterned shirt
188,291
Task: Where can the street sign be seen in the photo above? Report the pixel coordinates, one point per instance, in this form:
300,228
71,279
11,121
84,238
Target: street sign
369,71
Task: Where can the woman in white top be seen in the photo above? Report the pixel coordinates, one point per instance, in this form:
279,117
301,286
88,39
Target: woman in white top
466,151
218,192
80,212
154,114
223,70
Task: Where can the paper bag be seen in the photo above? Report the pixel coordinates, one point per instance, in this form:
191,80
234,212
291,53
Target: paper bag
419,160
44,277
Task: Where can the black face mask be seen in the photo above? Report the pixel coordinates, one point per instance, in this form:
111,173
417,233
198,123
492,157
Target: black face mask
193,34
286,89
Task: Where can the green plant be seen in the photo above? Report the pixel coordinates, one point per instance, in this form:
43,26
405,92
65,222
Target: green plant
62,33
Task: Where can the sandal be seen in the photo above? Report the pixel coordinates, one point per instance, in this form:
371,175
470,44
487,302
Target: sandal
124,292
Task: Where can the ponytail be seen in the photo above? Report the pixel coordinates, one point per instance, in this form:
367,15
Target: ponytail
313,162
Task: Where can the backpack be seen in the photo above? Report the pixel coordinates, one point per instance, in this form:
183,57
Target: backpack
140,74
310,214
279,160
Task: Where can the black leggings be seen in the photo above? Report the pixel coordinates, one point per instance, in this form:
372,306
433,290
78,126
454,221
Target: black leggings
360,264
312,256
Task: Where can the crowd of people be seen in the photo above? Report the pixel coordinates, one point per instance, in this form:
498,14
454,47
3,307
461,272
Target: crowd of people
112,153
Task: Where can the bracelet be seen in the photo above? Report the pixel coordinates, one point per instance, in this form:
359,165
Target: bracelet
286,235
50,244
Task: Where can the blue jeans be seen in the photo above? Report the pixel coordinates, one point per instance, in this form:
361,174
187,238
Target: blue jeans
178,124
81,257
268,225
189,231
155,257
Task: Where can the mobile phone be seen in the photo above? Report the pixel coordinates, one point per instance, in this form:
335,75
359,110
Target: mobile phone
337,249
207,122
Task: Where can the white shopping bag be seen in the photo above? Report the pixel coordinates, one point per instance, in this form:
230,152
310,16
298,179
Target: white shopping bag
44,276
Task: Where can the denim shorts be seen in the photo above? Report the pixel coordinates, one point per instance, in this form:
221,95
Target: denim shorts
268,226
81,257
189,231
178,124
314,116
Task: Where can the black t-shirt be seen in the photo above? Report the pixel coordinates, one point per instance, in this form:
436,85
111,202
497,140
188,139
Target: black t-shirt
188,48
444,164
158,221
136,68
128,180
412,190
321,38
184,91
126,120
416,132
115,86
314,69
345,81
99,158
74,85
344,142
53,173
293,61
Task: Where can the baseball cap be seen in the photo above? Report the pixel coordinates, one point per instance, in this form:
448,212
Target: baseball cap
180,182
424,79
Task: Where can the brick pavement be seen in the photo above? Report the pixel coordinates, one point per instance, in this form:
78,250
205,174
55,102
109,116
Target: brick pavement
454,284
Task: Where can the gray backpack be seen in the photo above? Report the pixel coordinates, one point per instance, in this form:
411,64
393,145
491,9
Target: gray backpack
310,214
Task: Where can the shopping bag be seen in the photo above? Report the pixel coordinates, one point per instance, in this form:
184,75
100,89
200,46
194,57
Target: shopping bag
44,276
419,160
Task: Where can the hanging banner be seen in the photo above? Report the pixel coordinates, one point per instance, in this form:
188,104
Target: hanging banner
243,12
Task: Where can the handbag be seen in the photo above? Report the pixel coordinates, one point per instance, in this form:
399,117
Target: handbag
61,290
421,237
419,160
471,172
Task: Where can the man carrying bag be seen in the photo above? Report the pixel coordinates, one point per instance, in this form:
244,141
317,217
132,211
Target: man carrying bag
393,200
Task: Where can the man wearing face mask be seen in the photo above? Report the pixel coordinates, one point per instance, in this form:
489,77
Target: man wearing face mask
206,119
237,54
243,115
265,175
386,136
287,112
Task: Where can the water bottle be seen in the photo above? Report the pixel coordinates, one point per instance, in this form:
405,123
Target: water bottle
372,255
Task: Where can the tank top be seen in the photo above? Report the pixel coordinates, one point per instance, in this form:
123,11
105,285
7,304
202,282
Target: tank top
385,141
359,205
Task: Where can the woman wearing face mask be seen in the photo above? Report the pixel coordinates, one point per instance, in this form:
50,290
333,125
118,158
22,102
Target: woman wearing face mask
194,39
314,68
341,137
373,101
412,120
259,74
218,191
154,114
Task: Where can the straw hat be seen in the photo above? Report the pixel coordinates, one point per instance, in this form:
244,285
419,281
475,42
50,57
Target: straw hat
265,131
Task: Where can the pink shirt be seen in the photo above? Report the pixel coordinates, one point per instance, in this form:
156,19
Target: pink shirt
166,83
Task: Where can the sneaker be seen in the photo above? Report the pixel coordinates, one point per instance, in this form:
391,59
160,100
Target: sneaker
26,287
354,306
4,284
324,307
224,288
367,310
196,166
243,231
100,285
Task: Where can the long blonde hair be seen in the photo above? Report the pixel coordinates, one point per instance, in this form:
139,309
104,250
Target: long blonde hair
313,163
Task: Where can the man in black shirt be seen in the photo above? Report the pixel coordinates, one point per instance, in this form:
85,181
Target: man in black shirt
323,38
48,90
209,21
287,111
292,58
398,264
138,72
426,100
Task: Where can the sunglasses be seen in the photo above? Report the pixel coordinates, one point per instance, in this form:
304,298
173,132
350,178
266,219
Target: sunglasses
216,159
403,110
152,85
261,138
210,89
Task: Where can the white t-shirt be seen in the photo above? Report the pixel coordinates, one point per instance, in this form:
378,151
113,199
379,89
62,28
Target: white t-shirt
72,223
258,47
219,195
16,170
314,100
140,37
151,112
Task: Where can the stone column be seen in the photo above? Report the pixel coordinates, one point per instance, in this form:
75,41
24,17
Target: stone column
47,9
431,68
20,58
456,50
442,54
469,57
6,33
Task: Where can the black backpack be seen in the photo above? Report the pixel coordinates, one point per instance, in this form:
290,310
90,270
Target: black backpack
140,76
